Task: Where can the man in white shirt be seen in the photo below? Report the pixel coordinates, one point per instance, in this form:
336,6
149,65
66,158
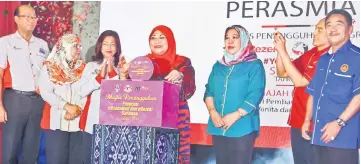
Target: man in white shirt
21,107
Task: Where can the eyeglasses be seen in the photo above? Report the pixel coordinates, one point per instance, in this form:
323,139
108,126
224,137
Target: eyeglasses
28,17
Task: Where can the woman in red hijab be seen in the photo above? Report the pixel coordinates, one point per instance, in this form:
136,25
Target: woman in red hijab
175,68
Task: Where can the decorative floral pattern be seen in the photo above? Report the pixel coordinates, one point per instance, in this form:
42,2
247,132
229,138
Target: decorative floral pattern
80,17
54,19
57,18
134,145
62,66
86,25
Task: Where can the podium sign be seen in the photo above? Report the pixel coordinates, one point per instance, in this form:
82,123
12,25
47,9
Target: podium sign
139,103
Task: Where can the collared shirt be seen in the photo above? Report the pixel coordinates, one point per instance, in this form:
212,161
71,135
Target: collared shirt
336,82
306,64
238,86
22,61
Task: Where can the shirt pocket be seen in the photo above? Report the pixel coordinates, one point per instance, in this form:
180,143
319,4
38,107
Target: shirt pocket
39,58
342,75
41,52
341,87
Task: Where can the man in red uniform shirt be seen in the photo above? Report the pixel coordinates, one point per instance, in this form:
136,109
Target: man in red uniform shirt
300,71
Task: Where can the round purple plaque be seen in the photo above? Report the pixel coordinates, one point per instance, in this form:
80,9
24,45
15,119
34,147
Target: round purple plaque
141,68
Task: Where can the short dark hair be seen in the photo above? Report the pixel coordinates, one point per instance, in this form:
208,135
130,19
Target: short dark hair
16,11
99,57
342,12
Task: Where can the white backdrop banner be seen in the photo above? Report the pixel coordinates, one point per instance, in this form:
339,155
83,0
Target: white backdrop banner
199,32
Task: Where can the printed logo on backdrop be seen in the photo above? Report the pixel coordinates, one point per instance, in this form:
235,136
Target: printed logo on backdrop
299,48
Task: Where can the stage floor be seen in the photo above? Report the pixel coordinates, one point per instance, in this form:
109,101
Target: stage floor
205,155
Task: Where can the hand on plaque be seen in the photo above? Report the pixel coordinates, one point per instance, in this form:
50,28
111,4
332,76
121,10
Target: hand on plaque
174,76
123,67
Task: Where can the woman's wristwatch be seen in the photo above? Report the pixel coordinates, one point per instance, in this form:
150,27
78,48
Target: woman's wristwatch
341,122
240,114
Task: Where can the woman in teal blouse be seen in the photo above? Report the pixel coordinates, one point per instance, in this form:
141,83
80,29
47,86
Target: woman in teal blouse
234,90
